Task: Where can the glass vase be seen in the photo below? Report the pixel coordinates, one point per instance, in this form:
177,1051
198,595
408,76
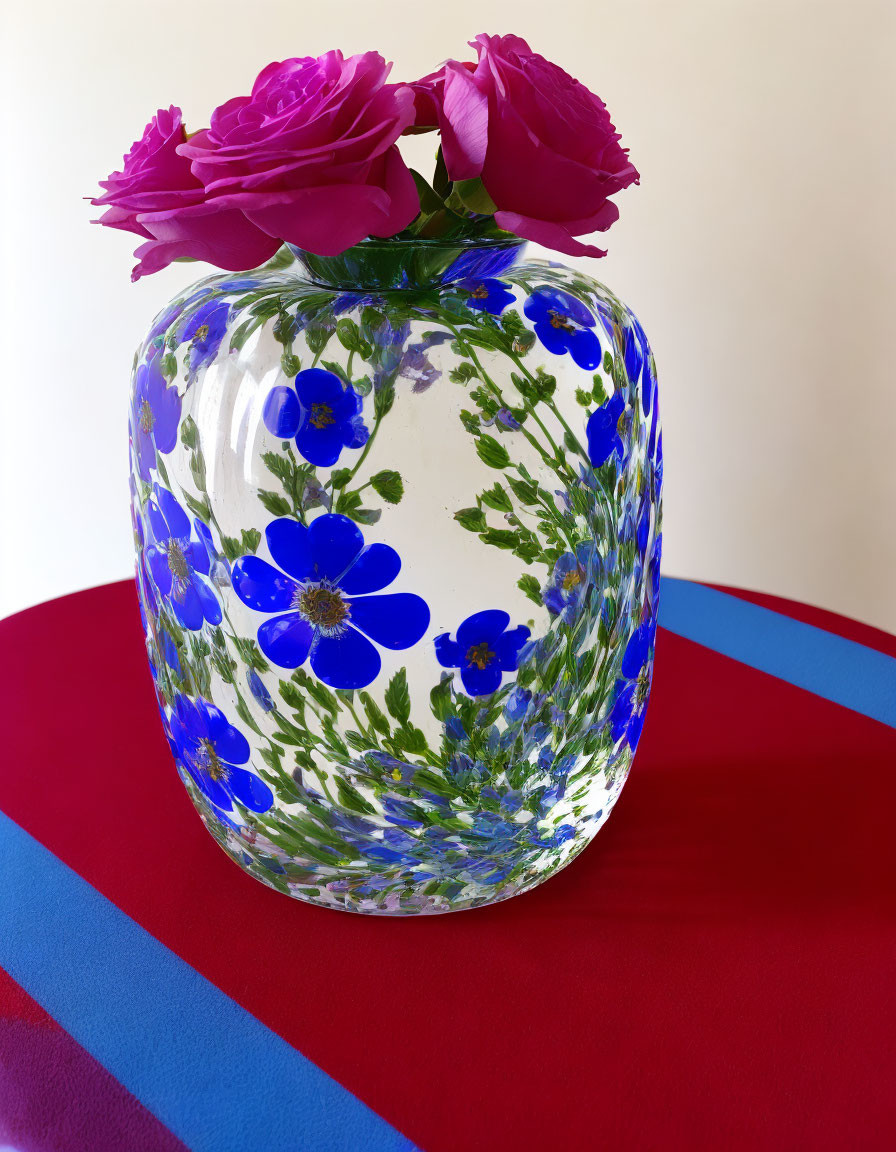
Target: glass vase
397,517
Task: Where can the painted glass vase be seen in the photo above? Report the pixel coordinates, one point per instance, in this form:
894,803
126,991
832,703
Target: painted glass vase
397,517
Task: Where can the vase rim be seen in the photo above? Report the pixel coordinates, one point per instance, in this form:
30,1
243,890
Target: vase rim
409,263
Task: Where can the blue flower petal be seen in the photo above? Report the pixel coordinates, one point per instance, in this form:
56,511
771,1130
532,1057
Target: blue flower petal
157,560
584,347
230,744
286,640
187,605
250,790
196,555
396,621
482,626
262,586
448,652
177,520
320,446
636,650
211,608
481,681
556,340
347,661
213,789
633,356
507,647
289,544
334,542
282,413
375,568
317,386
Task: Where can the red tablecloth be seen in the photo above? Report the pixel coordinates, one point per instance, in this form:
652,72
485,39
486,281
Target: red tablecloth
715,972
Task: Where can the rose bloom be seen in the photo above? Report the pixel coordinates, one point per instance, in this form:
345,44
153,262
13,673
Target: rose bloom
157,196
544,146
310,156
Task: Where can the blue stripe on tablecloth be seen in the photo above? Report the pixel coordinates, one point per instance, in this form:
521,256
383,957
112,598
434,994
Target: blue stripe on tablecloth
828,665
216,1076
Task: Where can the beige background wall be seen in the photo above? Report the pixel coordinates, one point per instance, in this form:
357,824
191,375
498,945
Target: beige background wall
759,254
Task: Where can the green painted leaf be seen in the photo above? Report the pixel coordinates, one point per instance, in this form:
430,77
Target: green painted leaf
189,433
499,538
440,698
290,363
525,492
473,519
491,452
531,587
366,515
375,714
584,398
276,504
251,538
462,373
397,697
497,498
599,391
339,477
383,401
199,508
350,798
388,485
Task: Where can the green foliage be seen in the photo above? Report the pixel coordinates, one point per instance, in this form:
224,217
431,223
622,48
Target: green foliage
397,697
388,485
276,504
528,584
497,498
492,453
473,519
440,698
599,391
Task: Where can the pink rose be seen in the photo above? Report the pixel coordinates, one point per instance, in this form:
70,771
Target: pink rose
157,196
310,156
543,145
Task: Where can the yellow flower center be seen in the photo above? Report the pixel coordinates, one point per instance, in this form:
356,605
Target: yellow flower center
210,761
146,417
177,561
558,320
396,774
200,333
480,655
323,607
571,580
321,415
480,292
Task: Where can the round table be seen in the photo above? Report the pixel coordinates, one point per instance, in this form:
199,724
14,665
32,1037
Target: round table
714,972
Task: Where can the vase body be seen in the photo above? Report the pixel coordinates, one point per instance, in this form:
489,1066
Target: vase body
397,518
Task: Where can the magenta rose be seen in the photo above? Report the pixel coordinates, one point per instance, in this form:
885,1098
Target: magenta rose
310,156
157,196
543,145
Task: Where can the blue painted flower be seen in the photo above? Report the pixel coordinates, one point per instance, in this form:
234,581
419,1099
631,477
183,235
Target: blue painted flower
573,575
322,415
564,324
204,332
322,602
483,650
602,431
626,717
259,691
155,415
487,295
179,565
212,750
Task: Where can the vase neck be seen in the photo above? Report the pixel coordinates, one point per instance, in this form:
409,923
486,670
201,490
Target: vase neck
409,265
